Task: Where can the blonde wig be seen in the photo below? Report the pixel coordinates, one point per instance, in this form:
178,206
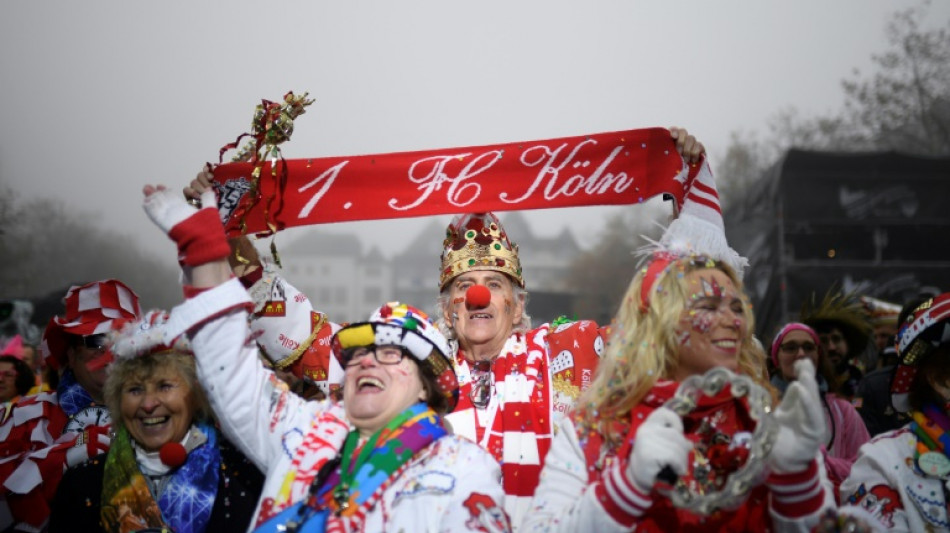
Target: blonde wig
138,369
643,346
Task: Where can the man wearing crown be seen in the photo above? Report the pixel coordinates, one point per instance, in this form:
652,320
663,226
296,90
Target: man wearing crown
516,381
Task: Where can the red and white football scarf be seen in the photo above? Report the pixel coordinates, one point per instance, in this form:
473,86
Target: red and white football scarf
515,427
616,168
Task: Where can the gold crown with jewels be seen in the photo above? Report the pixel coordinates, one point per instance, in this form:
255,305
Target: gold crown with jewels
477,241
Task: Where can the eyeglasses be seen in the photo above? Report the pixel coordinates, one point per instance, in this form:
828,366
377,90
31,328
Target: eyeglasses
481,384
793,347
384,355
98,342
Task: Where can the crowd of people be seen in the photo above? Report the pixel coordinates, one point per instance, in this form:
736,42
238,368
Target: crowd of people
225,415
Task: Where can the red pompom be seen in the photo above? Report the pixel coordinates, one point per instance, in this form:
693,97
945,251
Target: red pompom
477,296
173,454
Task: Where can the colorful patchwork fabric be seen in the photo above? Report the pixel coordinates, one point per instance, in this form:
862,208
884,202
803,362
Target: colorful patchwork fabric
410,432
392,449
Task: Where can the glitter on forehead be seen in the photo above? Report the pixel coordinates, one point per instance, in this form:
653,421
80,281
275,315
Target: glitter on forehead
711,287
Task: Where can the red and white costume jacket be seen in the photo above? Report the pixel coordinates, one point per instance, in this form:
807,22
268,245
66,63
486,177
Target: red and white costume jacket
536,379
886,483
584,484
38,441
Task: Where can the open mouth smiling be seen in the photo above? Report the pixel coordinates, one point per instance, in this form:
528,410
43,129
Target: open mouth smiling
725,344
154,420
369,384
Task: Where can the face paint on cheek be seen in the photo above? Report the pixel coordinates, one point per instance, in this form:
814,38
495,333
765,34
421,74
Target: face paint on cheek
682,338
701,321
458,300
401,371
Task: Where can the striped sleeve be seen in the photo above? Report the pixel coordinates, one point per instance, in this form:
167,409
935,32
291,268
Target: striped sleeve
797,494
621,498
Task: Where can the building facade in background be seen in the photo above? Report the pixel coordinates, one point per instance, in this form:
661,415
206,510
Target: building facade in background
346,282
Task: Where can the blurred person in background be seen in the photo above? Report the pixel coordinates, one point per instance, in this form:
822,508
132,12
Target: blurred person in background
873,397
846,431
54,430
883,317
844,331
16,380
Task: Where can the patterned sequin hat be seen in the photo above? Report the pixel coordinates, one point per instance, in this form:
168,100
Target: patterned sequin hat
477,241
403,325
924,329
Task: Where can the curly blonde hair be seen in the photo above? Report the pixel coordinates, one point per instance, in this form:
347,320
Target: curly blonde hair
643,346
123,371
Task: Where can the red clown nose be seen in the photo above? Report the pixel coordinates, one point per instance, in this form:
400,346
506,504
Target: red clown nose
477,296
172,454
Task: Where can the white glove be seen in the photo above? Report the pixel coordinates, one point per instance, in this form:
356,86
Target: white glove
93,441
168,208
198,233
659,442
801,423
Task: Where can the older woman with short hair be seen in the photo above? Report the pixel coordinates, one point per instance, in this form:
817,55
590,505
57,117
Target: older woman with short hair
168,467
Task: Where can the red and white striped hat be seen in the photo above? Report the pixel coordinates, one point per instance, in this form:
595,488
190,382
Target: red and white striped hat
697,231
97,307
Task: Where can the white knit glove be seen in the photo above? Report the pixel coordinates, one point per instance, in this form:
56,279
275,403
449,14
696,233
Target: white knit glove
168,208
198,233
93,441
659,443
801,423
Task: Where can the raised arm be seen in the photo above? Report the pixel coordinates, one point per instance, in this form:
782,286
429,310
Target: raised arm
255,408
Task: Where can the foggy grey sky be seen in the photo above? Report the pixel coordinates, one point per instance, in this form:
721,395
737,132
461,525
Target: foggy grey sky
101,97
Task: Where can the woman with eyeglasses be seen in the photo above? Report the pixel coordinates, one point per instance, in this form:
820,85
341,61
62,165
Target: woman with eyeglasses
16,379
382,461
846,429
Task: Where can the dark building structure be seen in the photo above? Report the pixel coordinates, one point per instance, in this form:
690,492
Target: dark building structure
874,223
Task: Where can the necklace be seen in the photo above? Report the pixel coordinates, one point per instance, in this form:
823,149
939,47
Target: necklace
480,393
341,494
